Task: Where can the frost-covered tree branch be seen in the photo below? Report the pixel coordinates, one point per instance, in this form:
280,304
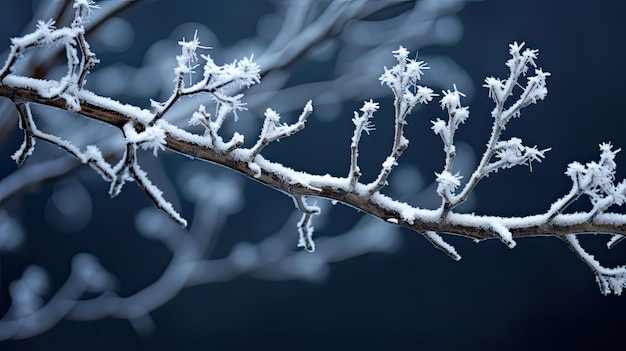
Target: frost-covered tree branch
316,31
306,28
151,130
204,138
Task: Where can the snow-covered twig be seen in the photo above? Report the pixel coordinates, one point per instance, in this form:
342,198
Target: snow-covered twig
596,180
442,245
509,153
610,280
304,226
272,130
402,80
91,156
362,124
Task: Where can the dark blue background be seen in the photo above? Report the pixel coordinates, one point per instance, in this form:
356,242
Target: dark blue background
537,296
